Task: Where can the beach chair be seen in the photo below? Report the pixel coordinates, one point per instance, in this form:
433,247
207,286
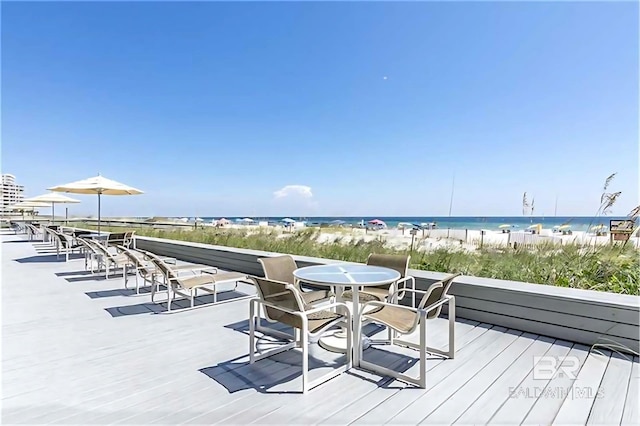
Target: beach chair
107,259
283,303
142,265
64,243
188,286
396,262
403,320
120,239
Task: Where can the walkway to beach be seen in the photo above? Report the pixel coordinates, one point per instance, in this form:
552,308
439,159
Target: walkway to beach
80,349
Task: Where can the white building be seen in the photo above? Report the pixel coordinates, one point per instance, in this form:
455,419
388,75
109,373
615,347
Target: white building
11,193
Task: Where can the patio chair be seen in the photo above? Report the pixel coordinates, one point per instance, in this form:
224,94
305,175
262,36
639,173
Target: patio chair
283,303
64,243
396,262
177,284
120,239
107,259
405,320
142,265
91,254
280,268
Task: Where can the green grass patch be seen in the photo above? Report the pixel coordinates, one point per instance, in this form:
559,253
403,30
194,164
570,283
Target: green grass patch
613,269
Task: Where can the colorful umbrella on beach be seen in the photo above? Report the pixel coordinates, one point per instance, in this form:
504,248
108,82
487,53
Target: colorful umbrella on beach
506,225
97,185
54,199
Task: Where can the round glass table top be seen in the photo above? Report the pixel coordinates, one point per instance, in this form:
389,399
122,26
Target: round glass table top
346,274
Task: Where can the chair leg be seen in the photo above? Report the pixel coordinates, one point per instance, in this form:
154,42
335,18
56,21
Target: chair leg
304,342
252,331
422,380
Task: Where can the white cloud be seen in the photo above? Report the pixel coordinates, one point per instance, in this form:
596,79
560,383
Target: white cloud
294,191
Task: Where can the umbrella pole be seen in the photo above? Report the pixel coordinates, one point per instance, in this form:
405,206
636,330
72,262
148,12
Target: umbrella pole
66,216
53,213
98,212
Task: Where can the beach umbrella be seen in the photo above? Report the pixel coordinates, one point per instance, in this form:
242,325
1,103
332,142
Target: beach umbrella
337,222
27,206
598,227
288,220
54,199
97,185
561,227
506,225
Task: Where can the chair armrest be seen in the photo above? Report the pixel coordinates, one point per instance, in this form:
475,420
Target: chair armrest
439,303
383,304
408,290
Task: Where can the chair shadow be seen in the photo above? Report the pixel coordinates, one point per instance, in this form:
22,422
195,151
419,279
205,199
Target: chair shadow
177,305
100,276
51,258
73,273
17,241
116,292
272,374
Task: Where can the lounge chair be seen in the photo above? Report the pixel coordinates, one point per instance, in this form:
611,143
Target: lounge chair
142,266
120,239
106,259
396,262
177,284
283,303
64,243
405,320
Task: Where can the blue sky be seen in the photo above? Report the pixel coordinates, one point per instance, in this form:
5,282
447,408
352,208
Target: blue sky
214,109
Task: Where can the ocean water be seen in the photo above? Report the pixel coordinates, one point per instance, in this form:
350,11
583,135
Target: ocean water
577,223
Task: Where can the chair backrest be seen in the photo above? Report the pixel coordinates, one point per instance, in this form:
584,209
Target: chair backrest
170,274
136,259
397,262
88,245
437,291
128,238
279,268
115,238
277,293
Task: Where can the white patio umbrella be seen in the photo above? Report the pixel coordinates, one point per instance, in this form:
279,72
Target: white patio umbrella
97,185
54,199
26,206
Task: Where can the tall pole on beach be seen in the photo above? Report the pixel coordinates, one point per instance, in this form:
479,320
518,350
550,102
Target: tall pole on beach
453,185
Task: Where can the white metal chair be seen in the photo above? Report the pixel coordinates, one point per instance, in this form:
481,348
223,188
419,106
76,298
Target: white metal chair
405,320
282,302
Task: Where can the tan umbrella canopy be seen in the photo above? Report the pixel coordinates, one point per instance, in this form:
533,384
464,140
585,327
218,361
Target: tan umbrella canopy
27,206
97,185
54,199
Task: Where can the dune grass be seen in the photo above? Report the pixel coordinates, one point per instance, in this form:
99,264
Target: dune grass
604,268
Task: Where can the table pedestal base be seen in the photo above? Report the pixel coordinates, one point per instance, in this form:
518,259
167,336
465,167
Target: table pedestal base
337,342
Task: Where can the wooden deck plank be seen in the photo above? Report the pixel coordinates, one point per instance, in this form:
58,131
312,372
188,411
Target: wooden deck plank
608,405
360,407
577,406
385,411
481,387
631,411
523,396
550,397
438,393
357,383
490,402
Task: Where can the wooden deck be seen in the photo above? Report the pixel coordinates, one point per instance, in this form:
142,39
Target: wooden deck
78,349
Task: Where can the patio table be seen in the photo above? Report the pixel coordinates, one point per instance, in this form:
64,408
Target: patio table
346,275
